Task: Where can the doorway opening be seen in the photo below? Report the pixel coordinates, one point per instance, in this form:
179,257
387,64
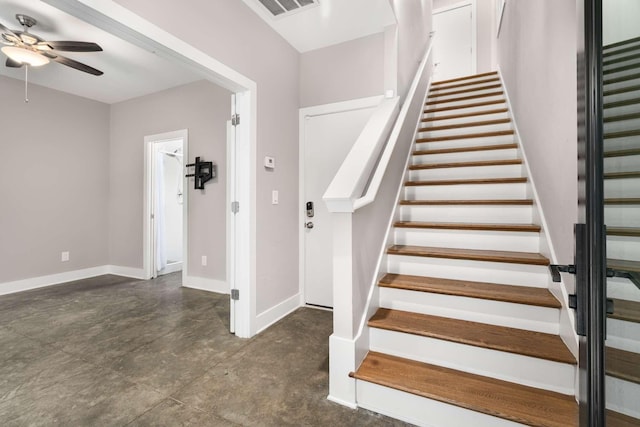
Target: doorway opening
167,226
454,52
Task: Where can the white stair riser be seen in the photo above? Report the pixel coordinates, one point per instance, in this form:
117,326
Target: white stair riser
450,94
622,289
493,214
469,84
617,65
622,396
467,191
620,125
520,316
623,335
466,142
466,156
617,72
448,122
456,269
466,110
622,187
469,239
421,411
622,164
465,130
622,215
615,52
499,171
464,102
623,247
631,94
619,111
516,368
621,143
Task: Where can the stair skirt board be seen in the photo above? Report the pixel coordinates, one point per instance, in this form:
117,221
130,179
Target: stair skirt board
519,316
510,367
421,411
622,396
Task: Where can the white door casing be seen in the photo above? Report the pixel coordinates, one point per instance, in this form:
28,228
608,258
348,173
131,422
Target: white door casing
455,41
327,133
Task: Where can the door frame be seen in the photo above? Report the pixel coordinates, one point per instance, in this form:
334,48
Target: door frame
148,240
120,21
303,115
474,27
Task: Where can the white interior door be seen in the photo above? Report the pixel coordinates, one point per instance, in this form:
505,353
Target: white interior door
327,141
453,50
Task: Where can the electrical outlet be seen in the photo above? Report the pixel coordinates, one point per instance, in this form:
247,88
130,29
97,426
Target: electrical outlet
204,260
64,256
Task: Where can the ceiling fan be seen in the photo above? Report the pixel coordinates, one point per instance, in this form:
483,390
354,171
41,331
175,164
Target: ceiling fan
23,47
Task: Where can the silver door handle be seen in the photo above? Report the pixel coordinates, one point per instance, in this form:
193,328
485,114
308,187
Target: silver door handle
308,225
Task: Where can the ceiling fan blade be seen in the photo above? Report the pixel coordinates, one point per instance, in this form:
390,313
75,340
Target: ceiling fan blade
13,64
70,46
75,64
4,29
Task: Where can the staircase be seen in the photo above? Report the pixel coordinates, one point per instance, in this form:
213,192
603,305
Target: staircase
467,332
621,63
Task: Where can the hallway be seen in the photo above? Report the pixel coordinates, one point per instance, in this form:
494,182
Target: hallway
111,351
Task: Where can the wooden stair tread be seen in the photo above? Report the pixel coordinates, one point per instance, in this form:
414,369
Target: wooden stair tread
465,125
459,107
500,338
623,153
463,91
465,84
509,257
622,364
619,91
467,164
464,98
623,231
466,136
469,77
616,419
465,115
621,175
623,264
622,201
490,291
467,149
628,311
515,180
469,226
502,399
622,79
622,103
506,202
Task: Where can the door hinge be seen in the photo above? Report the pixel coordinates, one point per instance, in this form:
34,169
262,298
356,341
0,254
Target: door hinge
235,294
235,207
235,119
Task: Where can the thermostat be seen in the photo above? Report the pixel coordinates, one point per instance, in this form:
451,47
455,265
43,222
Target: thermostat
269,162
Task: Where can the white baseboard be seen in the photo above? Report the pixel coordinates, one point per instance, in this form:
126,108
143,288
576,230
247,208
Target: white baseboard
68,276
203,284
271,316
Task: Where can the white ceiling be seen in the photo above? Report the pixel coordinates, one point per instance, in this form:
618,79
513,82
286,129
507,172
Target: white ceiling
329,23
129,71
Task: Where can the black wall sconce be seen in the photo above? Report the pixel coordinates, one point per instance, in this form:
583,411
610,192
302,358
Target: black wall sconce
203,172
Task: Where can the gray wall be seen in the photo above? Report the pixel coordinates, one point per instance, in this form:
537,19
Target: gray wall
537,56
266,58
350,70
201,107
414,25
54,186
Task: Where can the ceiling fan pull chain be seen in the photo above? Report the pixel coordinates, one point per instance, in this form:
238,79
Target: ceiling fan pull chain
26,83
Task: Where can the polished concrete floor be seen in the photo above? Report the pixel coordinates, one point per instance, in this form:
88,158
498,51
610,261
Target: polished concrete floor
112,351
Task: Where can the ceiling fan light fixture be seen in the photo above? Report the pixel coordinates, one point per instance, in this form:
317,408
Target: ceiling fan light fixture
25,56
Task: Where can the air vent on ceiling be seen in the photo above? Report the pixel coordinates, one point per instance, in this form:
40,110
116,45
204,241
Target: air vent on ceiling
280,8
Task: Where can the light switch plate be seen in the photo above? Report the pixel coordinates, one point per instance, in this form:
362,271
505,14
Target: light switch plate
274,197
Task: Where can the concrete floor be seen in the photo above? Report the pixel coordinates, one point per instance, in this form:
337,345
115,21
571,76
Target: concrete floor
111,351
